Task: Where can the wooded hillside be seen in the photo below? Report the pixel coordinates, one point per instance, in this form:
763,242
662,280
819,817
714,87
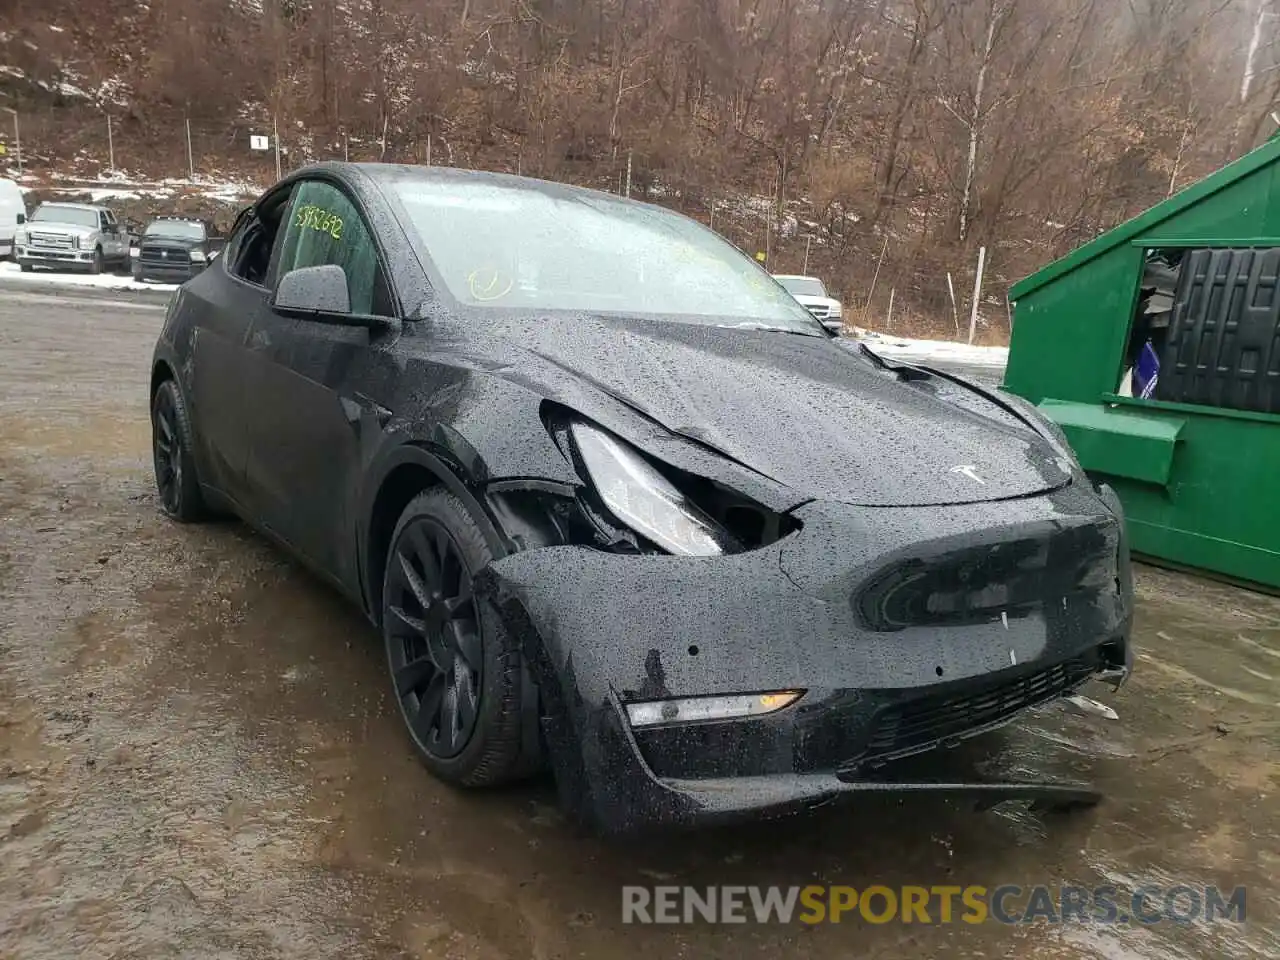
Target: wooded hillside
917,128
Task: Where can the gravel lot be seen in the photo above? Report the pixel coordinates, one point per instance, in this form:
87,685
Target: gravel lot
198,757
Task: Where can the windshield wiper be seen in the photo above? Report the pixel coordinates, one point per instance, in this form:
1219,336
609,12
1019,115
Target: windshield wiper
767,328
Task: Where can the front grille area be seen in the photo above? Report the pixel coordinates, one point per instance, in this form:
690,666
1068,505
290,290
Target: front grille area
51,240
821,312
921,724
166,255
986,582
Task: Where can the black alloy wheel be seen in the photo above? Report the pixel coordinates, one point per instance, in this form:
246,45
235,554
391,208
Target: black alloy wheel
176,482
433,638
457,675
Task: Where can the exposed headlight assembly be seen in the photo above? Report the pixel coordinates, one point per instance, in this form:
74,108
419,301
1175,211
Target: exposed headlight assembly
644,500
198,256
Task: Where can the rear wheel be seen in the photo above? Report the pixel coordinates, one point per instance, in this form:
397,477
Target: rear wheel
176,480
456,674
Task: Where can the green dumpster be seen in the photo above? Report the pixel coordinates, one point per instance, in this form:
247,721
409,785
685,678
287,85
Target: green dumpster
1156,348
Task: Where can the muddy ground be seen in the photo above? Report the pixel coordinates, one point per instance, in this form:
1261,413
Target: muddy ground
198,757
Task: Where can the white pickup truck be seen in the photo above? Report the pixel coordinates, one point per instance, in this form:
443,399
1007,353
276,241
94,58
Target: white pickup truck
813,296
75,236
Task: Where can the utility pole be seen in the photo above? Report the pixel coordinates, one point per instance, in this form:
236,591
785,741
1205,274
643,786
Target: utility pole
628,190
805,269
111,148
428,149
346,148
275,136
191,162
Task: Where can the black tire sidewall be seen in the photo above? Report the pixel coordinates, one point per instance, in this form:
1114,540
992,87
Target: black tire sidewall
190,505
492,754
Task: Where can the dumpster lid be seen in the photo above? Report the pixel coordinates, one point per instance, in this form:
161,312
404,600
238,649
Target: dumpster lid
1251,162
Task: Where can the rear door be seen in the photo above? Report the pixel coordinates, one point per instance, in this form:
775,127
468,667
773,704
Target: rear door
306,428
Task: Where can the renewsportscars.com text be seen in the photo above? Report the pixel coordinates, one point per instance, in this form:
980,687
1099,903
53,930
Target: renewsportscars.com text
1007,904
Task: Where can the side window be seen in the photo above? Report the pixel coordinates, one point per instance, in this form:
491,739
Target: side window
324,227
248,253
103,222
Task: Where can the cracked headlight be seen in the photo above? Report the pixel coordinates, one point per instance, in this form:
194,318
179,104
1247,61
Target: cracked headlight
644,500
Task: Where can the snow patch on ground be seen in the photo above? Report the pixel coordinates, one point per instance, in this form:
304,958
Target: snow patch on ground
10,274
901,348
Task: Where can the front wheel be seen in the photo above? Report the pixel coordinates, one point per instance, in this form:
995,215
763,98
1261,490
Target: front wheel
95,265
176,480
24,266
457,675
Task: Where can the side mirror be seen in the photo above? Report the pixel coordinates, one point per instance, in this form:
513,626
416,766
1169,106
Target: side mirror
22,218
315,292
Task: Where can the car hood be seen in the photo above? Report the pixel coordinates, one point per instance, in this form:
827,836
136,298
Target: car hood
54,227
812,301
805,412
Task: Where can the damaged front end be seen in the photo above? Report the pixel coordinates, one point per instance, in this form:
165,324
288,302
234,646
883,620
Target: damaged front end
702,657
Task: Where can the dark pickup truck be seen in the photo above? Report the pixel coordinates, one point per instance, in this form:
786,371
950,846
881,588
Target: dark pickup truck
174,249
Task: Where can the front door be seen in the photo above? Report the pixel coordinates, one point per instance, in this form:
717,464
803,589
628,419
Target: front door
310,415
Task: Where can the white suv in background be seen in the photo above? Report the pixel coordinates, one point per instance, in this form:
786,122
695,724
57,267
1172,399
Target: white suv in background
811,294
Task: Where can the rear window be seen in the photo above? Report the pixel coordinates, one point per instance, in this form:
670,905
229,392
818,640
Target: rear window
507,246
178,229
56,213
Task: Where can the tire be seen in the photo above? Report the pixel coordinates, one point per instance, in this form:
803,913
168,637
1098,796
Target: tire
95,265
24,266
177,484
455,631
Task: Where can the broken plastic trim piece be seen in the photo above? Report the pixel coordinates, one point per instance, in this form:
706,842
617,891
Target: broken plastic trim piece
1091,707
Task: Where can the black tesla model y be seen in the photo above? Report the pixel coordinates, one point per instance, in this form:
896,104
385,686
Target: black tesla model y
619,505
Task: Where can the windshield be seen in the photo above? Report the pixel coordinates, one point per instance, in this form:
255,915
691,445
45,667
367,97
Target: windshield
54,213
803,286
505,246
179,229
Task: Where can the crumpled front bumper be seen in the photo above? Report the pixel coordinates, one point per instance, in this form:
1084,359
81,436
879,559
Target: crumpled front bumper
908,629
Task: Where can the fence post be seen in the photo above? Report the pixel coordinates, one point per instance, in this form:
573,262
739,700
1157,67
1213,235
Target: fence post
866,307
977,292
955,310
807,241
346,148
275,135
191,160
17,138
111,147
428,149
628,191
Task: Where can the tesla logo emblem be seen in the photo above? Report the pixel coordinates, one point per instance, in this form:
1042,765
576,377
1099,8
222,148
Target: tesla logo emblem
970,471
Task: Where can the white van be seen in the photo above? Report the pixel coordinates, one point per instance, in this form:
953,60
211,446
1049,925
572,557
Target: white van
13,211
